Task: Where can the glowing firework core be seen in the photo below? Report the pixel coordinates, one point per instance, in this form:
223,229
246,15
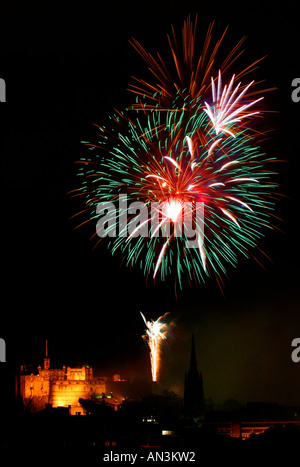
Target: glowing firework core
156,331
173,208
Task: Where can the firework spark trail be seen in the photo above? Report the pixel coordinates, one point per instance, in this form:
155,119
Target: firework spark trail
228,175
155,333
194,146
190,78
226,110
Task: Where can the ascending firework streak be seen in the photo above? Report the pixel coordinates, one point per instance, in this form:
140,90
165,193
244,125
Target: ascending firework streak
155,333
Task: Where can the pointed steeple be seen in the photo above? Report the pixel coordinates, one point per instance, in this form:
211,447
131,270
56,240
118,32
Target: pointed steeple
193,387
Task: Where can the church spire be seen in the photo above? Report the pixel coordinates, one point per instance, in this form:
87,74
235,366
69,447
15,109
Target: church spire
193,387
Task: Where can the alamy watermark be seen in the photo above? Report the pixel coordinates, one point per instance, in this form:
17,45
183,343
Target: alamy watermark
295,95
2,350
172,217
295,355
2,90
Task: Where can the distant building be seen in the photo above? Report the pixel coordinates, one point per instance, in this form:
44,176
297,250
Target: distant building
64,387
193,388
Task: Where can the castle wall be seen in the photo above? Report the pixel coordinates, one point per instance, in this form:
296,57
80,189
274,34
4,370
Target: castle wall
64,393
34,385
84,373
52,374
35,391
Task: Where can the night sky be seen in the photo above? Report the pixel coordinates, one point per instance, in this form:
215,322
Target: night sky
68,69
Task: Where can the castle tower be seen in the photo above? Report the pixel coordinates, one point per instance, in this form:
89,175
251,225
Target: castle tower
46,359
193,388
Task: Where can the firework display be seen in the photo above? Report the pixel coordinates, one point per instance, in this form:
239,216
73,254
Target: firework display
182,170
155,333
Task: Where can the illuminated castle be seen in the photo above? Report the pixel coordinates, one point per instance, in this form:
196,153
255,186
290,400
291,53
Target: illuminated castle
64,387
